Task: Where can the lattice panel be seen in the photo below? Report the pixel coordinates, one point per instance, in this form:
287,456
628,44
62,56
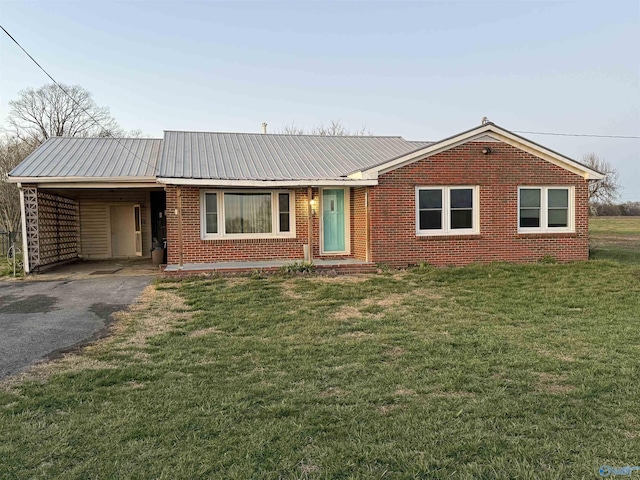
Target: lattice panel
59,220
31,220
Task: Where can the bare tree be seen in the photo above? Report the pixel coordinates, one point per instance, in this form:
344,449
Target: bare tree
601,191
335,128
47,112
12,151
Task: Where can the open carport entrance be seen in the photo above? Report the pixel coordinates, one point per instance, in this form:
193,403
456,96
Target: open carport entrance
64,224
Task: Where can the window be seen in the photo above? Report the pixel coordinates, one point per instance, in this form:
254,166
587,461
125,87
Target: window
211,209
545,209
284,207
446,210
247,214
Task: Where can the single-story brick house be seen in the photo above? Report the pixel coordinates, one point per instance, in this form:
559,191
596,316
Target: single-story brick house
482,195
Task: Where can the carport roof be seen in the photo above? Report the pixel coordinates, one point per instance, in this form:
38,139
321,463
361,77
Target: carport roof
92,158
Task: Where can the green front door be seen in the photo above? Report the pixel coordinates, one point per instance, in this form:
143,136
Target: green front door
333,220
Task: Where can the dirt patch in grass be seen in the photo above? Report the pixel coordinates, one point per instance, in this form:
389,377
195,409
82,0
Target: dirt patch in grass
387,409
452,394
331,392
346,312
553,384
401,392
394,352
204,332
558,355
288,290
357,334
157,312
339,279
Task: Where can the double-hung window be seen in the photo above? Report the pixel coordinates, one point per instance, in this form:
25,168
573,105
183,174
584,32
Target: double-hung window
447,210
545,209
247,214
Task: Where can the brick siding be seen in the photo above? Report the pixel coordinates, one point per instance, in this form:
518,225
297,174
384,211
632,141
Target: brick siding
392,209
392,228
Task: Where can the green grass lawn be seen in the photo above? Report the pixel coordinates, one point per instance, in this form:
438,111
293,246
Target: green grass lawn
616,238
500,371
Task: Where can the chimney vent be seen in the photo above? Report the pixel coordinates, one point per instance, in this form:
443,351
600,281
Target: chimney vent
264,127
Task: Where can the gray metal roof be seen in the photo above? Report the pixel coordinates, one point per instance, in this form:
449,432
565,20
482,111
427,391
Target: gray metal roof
254,156
92,158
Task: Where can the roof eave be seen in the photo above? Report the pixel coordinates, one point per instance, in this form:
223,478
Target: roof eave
74,180
329,182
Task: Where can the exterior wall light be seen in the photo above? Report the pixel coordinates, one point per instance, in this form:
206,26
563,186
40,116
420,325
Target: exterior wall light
486,150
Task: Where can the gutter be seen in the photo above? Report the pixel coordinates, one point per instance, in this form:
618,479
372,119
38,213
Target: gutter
268,183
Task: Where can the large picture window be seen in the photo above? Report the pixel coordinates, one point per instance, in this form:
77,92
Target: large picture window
545,209
239,214
447,210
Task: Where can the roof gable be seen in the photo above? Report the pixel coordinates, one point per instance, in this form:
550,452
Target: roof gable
486,132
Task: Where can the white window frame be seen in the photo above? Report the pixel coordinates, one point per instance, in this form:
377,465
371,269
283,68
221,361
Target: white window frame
446,211
275,216
544,209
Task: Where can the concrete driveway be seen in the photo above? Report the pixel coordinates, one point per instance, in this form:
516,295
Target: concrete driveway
40,319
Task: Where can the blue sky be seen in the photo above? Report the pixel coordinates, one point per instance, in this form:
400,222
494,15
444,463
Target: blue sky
423,70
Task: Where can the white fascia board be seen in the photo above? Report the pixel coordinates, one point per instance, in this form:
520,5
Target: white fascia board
494,132
267,183
86,182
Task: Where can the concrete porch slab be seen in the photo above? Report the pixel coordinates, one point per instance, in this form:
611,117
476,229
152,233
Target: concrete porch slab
348,265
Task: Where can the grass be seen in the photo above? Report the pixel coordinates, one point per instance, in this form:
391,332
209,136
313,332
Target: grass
615,238
499,371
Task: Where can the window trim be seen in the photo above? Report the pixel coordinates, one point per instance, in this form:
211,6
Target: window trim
544,209
446,229
275,216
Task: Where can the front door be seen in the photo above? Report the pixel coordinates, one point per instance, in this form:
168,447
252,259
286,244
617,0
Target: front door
123,238
333,221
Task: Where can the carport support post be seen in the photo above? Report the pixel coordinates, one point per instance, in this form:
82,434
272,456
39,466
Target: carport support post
25,245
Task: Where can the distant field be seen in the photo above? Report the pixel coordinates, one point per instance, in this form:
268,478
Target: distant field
615,238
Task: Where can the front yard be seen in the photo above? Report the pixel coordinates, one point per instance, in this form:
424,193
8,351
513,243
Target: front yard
497,371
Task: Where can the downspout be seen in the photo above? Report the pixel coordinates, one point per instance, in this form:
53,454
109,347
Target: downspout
25,245
179,200
310,222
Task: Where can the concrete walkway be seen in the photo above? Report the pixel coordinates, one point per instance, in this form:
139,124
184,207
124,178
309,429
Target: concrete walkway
261,265
39,320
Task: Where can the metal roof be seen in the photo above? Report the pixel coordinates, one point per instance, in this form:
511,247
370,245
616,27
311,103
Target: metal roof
92,158
255,156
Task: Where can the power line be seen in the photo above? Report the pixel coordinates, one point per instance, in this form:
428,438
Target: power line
106,130
577,134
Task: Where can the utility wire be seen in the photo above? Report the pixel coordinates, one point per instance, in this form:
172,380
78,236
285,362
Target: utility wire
75,101
577,134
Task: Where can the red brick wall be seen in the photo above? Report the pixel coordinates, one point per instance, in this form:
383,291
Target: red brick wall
196,250
392,209
359,230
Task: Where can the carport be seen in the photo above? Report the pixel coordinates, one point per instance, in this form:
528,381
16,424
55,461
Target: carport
90,199
65,224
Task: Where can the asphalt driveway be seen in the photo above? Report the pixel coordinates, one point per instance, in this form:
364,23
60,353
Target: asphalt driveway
39,320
